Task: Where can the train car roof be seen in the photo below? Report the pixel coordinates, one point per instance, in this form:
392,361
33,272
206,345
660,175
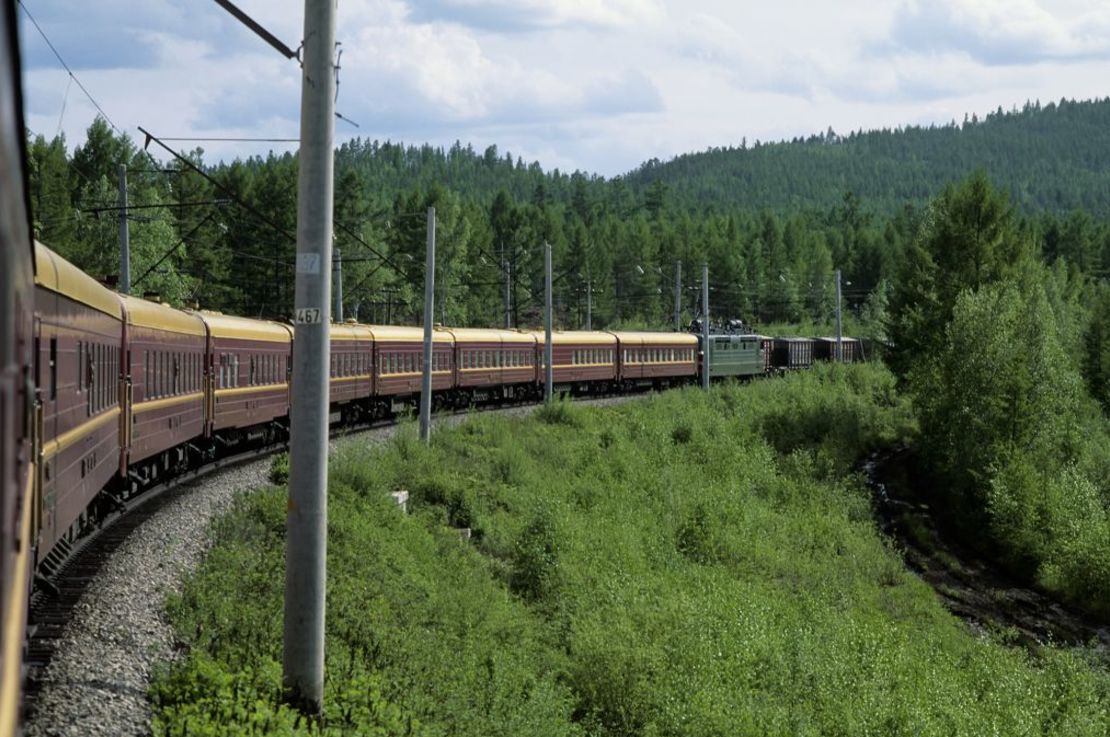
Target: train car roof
491,335
351,331
407,334
58,275
245,328
576,337
832,339
158,316
643,338
794,338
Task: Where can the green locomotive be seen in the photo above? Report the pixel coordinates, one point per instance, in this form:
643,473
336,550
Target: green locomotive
733,352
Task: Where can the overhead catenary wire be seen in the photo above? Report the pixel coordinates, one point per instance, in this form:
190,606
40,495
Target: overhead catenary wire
170,251
65,66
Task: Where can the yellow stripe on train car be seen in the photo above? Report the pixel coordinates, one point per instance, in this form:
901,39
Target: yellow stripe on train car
153,404
14,620
68,438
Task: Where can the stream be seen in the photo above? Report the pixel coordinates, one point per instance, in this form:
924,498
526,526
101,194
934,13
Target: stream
971,587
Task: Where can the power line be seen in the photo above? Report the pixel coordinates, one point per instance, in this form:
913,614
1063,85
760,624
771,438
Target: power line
227,191
176,246
233,139
66,67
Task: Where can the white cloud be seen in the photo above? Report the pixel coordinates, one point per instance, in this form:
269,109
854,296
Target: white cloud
506,15
1001,31
588,84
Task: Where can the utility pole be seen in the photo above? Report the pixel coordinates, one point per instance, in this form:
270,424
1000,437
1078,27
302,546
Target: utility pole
589,304
508,289
306,519
124,235
839,336
429,315
678,295
705,325
338,286
548,371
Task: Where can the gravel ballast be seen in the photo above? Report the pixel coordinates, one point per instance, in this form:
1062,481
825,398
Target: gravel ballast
97,679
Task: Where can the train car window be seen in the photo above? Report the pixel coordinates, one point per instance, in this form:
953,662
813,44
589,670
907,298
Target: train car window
98,378
80,366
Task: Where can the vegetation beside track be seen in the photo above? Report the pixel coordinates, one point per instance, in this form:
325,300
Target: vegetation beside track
693,564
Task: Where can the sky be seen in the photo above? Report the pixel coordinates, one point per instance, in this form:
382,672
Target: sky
593,85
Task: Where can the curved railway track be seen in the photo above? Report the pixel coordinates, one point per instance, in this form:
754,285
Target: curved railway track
62,595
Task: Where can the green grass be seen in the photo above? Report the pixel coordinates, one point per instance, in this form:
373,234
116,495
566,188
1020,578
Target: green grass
689,564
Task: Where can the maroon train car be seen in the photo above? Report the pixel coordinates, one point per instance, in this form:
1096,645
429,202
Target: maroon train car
247,377
165,352
79,344
351,369
582,361
399,361
494,364
16,382
648,359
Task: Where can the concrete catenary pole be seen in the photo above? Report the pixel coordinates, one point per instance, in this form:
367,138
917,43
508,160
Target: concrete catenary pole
429,298
705,325
589,304
508,289
839,336
124,235
338,286
548,352
678,295
306,519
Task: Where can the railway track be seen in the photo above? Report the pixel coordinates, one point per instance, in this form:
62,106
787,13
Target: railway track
60,594
57,594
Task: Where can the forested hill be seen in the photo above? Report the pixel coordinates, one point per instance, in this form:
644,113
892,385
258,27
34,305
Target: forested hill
1053,157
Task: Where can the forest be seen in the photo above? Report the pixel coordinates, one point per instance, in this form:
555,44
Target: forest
983,264
773,221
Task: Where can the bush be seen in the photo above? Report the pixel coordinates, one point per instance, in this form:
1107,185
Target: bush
624,584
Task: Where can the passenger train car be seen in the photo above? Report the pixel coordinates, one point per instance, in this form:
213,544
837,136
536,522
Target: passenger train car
18,522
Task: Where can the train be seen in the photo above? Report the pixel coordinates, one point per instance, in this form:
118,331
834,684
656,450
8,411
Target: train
103,395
